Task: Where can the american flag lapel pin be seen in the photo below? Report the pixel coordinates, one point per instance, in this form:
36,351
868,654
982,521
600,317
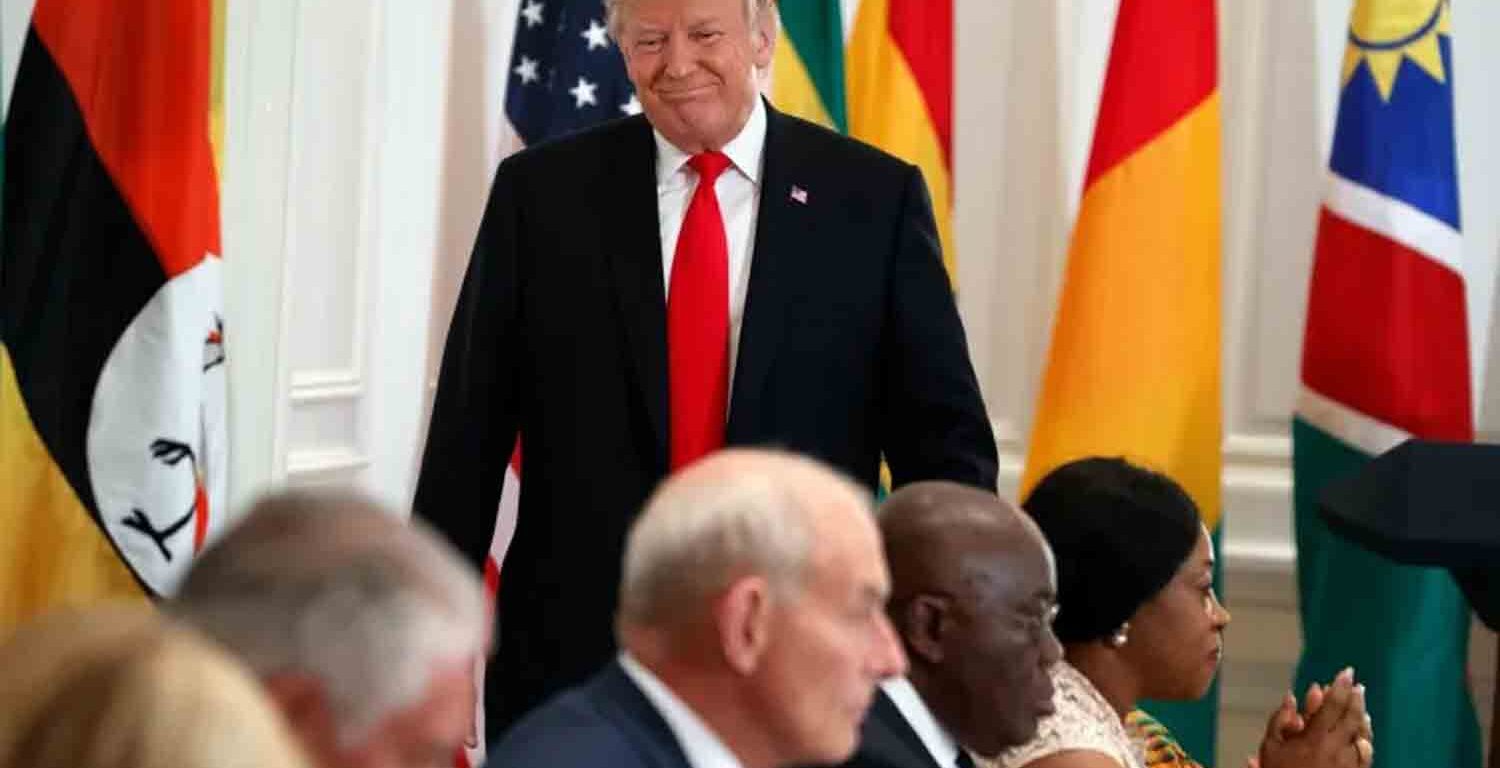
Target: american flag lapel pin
799,195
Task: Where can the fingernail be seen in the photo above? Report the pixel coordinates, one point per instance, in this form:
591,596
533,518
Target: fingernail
1347,675
1359,690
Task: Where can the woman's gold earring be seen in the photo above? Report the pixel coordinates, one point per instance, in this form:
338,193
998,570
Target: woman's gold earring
1120,637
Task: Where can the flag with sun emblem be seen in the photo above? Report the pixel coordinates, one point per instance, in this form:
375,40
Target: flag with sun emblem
1386,357
112,349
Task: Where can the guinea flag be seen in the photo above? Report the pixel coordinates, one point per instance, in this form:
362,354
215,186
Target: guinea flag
112,387
1133,367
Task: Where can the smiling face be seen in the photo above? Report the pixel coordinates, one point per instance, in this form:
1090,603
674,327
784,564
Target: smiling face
694,65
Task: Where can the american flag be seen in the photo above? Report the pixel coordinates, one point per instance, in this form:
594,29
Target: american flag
565,73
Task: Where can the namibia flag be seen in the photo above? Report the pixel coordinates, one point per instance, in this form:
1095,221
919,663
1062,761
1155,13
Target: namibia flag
112,429
1385,357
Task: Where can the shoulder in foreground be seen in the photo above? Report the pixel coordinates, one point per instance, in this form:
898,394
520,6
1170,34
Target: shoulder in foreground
1074,758
566,733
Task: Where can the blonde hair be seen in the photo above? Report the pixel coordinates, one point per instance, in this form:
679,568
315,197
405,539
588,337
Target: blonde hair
117,687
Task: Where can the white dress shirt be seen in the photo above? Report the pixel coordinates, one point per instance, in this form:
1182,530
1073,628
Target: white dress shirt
738,191
934,736
702,747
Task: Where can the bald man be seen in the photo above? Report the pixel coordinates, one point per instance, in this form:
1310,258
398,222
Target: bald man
974,590
751,623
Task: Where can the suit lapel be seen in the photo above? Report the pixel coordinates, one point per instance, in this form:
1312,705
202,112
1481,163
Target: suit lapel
887,717
634,238
771,280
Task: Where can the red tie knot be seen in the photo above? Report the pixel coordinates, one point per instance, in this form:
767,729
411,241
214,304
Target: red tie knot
709,165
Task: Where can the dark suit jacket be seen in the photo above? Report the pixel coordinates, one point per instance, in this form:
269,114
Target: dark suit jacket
850,346
886,740
606,722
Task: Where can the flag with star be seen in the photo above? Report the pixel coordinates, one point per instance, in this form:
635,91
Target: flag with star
1385,357
564,74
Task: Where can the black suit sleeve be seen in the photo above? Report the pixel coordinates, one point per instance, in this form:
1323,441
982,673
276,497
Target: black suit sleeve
935,421
474,414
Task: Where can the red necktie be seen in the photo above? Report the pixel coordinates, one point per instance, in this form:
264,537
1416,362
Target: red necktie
698,321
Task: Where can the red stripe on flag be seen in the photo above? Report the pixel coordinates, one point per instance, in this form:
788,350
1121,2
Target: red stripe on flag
491,563
492,588
1162,64
1387,333
200,516
923,31
141,76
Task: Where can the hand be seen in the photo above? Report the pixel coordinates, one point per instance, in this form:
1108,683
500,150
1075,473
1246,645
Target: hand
1286,721
1334,731
1313,701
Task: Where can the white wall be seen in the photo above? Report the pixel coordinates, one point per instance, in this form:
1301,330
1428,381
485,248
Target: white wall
362,136
334,197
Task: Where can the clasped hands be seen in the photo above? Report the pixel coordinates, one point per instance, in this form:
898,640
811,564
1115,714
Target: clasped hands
1334,731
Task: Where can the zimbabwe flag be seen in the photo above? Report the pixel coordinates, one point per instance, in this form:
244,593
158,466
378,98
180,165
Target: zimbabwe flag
112,429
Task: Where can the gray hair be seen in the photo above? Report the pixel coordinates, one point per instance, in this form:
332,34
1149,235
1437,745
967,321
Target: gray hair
614,9
737,513
332,585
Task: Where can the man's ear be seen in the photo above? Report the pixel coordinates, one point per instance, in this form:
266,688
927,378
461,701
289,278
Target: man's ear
763,42
924,624
303,701
743,618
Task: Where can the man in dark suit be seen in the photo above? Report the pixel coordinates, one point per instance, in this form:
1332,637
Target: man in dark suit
973,596
752,625
625,319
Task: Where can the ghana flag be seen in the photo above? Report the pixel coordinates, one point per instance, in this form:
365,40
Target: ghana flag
112,385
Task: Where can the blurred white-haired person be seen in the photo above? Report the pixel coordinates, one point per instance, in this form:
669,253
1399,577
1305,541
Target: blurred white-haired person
363,628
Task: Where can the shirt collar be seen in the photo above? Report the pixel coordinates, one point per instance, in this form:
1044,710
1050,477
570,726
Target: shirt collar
933,735
702,747
744,150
